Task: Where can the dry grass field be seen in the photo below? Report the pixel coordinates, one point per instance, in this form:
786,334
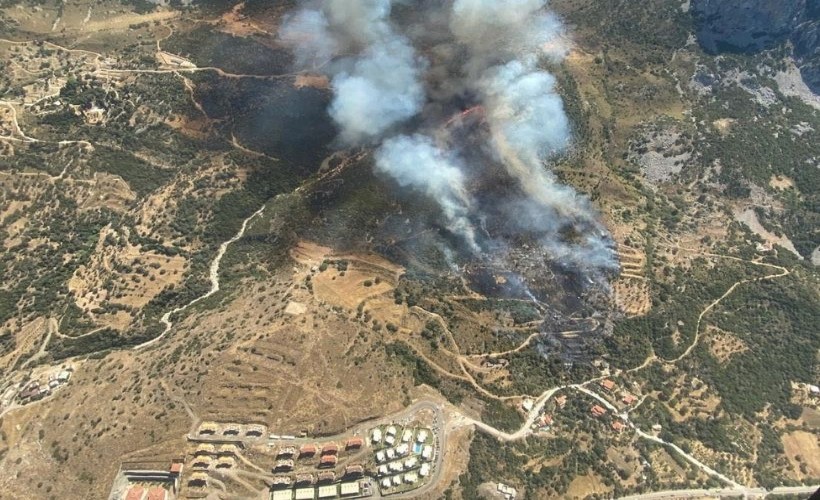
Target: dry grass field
803,451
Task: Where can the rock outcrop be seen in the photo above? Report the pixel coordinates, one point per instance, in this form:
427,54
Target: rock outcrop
806,41
754,25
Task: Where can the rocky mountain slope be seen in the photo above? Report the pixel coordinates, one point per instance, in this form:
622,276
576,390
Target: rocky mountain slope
755,25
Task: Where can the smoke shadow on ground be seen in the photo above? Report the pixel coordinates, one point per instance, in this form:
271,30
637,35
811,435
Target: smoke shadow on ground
272,117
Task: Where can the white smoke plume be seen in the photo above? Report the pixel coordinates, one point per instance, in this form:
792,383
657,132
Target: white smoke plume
486,54
415,161
496,30
381,90
307,32
376,87
525,113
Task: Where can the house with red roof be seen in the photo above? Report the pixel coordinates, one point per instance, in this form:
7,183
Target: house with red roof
135,493
598,411
157,493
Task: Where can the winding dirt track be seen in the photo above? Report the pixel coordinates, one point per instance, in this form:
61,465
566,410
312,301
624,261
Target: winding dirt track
213,276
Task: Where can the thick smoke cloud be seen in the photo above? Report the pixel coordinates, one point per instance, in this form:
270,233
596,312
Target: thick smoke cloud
510,28
375,88
484,53
381,90
416,162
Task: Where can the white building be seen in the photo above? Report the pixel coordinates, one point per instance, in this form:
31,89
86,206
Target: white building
407,436
508,491
397,480
411,478
390,440
391,453
411,462
425,470
350,489
380,456
377,436
391,431
527,404
383,470
427,452
402,450
395,466
386,482
421,436
305,494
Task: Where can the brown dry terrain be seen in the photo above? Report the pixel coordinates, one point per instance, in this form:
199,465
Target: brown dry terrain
584,486
246,361
134,277
723,345
803,451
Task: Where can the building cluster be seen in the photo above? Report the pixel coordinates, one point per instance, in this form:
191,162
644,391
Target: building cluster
230,431
151,481
404,459
215,456
543,422
345,490
611,388
36,390
323,483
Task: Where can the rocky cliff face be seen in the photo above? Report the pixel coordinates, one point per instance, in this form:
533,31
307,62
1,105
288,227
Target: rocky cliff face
806,40
754,25
745,25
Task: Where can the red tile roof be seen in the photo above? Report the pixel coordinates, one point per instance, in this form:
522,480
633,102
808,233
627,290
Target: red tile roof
608,384
176,467
327,476
135,493
618,425
355,442
598,411
629,399
156,493
328,459
307,449
329,449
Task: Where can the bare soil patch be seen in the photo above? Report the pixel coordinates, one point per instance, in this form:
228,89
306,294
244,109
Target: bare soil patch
749,218
348,288
781,182
314,81
724,125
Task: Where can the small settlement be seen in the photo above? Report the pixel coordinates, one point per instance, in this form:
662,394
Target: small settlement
39,388
403,457
388,459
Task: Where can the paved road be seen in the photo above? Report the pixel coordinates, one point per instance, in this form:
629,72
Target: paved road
725,493
440,430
